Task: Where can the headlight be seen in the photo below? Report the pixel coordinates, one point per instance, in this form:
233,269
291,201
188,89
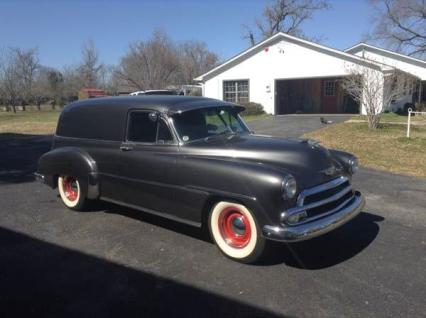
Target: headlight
289,187
353,165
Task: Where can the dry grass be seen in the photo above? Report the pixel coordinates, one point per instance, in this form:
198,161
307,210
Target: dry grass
385,149
32,122
254,117
395,118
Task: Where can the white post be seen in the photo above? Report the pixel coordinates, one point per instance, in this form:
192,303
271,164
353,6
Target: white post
409,122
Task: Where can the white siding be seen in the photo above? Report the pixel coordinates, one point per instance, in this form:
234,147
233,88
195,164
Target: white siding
284,60
416,70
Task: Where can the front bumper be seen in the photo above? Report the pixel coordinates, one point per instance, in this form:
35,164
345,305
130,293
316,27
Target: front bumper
317,227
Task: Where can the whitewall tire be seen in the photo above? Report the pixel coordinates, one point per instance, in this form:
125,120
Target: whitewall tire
234,230
71,193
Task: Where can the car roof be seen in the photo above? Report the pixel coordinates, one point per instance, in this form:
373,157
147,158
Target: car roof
169,104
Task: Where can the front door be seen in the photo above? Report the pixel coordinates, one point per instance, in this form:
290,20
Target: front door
149,162
329,96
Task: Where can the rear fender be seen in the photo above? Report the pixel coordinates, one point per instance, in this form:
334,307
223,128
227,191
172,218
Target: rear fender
70,161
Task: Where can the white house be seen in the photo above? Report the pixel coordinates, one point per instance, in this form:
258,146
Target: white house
287,74
408,64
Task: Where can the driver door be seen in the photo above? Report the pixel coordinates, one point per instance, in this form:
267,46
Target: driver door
148,157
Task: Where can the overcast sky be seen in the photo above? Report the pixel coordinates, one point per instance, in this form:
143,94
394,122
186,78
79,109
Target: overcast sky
59,28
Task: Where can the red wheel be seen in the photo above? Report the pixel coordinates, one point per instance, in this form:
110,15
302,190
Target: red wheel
234,230
71,188
71,192
234,227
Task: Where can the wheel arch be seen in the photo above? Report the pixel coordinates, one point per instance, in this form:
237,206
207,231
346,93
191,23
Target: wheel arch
250,203
71,161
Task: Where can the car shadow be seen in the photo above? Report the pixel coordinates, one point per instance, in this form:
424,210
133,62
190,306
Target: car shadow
41,279
325,251
19,156
182,228
330,249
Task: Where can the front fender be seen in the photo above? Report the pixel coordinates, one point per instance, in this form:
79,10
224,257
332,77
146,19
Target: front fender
70,161
343,158
253,184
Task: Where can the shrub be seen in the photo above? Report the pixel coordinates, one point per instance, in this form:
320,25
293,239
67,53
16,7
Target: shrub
404,110
252,109
421,107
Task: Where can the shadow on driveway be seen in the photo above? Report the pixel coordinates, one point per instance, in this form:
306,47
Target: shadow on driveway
39,279
19,156
325,251
333,248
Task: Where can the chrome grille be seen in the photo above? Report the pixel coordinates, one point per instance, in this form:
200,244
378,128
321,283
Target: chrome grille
319,201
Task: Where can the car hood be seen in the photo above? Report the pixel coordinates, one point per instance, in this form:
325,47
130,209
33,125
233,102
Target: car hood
305,159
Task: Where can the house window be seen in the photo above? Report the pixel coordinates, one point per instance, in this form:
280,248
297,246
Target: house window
329,88
236,91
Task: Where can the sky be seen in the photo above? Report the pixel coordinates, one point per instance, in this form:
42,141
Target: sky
60,28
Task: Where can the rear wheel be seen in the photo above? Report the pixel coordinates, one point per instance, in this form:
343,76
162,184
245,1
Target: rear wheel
235,231
71,192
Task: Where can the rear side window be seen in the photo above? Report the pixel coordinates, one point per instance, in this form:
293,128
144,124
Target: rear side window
147,127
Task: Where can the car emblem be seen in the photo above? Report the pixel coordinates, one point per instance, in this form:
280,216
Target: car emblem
329,171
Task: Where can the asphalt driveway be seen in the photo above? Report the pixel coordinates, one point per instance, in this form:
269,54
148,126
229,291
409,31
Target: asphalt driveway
114,261
292,125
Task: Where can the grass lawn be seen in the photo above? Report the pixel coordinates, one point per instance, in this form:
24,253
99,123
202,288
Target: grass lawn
392,117
386,148
254,117
32,122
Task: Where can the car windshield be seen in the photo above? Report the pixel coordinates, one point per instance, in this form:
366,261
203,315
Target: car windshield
208,122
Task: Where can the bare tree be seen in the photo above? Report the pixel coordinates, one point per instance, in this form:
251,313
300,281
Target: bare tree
150,65
401,25
284,16
71,82
10,80
195,60
26,63
90,68
375,89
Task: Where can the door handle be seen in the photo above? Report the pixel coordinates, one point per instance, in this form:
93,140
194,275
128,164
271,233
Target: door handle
126,148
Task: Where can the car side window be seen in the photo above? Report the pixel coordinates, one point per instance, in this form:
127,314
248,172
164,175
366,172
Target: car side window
164,136
142,128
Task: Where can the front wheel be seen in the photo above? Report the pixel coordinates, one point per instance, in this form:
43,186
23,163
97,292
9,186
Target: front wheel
234,229
71,192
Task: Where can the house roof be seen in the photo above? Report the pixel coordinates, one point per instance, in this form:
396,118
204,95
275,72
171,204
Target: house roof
283,36
405,58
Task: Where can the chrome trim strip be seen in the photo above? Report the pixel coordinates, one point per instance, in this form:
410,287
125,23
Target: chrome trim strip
311,191
332,198
325,213
316,228
320,188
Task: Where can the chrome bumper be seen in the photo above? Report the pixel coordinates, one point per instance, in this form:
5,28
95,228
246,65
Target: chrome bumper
40,177
317,227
